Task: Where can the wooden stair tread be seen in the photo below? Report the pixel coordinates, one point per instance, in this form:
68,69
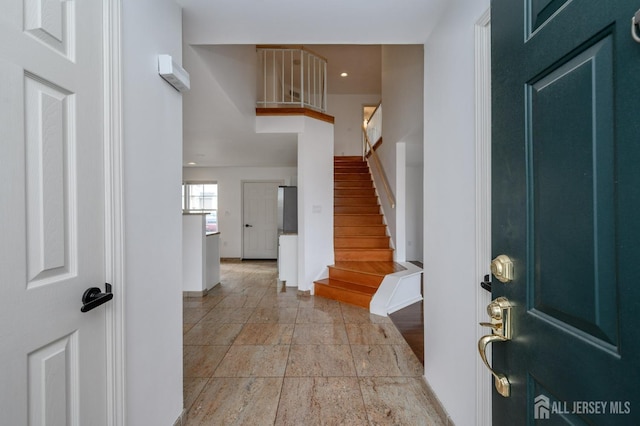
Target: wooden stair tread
343,231
375,268
343,285
366,209
361,241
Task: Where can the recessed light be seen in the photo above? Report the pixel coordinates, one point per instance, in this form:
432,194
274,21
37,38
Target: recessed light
191,163
344,74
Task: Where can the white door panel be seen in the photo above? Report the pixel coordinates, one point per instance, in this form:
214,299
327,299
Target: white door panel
260,226
52,213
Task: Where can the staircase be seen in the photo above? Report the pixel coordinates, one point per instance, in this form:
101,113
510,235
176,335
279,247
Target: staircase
361,244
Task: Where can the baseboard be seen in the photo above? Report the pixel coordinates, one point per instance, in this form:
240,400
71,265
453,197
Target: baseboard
404,304
182,419
202,293
442,413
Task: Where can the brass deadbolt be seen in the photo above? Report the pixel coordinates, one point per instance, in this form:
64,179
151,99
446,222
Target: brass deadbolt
502,268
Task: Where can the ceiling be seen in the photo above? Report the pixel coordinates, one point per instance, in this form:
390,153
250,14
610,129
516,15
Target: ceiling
309,21
220,34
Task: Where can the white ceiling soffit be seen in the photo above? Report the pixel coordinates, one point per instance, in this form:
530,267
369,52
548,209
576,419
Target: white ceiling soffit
309,22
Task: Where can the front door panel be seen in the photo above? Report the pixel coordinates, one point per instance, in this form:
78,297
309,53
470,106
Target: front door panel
565,181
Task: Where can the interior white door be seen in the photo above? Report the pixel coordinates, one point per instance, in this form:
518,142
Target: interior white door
260,225
52,355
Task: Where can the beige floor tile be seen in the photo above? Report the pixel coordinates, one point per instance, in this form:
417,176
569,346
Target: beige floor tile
320,360
201,361
386,360
250,290
357,315
398,401
277,301
207,301
254,361
313,401
239,301
265,334
320,334
228,315
221,290
212,333
191,389
317,302
193,315
236,401
186,327
373,334
274,315
320,315
255,355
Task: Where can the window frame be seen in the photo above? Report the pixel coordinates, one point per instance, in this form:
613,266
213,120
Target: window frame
187,197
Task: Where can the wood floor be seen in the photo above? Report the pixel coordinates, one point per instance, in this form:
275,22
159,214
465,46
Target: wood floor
410,322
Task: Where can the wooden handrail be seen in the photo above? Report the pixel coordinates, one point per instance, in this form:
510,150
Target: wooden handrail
383,175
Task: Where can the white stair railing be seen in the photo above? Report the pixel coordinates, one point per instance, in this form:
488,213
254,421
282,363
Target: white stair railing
372,131
374,127
291,77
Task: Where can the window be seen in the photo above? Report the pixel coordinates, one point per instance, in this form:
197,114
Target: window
202,198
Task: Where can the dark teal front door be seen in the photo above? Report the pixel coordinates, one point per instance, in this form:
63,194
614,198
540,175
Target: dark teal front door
566,209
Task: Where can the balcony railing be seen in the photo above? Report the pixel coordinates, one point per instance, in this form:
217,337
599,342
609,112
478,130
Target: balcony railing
291,77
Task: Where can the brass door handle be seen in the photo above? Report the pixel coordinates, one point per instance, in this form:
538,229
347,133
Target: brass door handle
499,311
500,380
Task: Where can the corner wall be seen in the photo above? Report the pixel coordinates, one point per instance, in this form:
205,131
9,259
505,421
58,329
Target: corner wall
449,210
347,110
402,121
152,151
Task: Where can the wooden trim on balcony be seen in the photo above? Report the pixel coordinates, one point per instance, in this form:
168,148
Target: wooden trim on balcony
289,47
295,111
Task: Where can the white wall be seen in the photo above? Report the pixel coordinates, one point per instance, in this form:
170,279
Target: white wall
315,201
194,253
152,131
402,121
229,181
414,211
449,209
347,110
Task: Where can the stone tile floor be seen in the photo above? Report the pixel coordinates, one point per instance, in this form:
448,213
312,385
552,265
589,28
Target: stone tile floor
259,354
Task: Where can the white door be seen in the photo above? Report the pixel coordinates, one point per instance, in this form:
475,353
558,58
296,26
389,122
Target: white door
260,222
52,356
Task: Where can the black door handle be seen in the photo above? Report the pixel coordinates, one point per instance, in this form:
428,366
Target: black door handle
94,297
486,284
248,226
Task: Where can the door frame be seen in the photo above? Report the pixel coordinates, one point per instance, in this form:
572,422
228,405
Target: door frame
483,202
280,182
114,211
